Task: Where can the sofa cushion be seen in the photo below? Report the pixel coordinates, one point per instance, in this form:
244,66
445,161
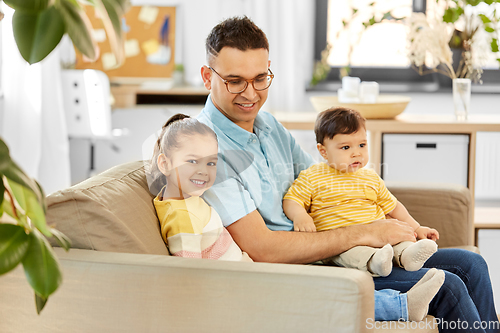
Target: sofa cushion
112,211
445,207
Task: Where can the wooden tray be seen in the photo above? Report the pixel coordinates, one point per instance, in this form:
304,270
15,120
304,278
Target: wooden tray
387,106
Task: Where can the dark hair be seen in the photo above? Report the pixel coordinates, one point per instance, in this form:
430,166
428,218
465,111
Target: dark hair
176,127
237,32
337,120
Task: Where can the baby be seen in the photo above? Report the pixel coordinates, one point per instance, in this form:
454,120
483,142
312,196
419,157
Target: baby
342,193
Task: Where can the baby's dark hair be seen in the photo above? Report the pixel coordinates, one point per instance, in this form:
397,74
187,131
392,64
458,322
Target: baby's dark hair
337,120
177,127
237,32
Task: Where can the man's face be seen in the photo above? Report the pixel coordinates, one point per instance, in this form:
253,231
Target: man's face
346,152
231,64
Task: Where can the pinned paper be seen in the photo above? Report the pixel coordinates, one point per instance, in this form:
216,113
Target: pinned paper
125,27
132,48
161,57
151,46
108,61
148,14
99,35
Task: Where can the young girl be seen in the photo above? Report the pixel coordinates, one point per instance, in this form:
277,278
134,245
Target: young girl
185,157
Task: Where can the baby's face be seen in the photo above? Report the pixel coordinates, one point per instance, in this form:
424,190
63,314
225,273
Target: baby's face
346,152
193,166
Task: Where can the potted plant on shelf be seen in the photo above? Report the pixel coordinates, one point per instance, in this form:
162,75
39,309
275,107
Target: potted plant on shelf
38,27
472,28
430,38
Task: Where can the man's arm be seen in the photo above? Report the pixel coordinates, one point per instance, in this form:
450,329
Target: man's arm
252,236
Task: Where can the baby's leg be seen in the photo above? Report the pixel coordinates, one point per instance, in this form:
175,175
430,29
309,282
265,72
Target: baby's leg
376,261
422,293
412,256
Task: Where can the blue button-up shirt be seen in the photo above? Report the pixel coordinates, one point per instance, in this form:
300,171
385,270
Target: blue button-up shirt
254,170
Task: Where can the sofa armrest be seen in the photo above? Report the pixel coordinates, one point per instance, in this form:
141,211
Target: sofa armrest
122,292
445,207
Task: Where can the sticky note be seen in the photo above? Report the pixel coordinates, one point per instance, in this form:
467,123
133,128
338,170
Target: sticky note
99,35
108,61
151,46
132,48
148,14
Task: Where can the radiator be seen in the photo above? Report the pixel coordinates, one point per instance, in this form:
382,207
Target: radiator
488,166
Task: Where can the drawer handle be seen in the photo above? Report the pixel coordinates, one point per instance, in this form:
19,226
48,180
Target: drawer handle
427,145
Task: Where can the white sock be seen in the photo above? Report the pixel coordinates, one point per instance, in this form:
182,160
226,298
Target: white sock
381,262
415,255
422,293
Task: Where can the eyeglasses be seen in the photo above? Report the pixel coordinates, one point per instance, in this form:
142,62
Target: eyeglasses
237,86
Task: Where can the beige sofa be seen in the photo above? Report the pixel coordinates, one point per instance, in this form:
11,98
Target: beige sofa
120,278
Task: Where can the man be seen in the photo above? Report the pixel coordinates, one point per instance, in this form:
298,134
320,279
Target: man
249,200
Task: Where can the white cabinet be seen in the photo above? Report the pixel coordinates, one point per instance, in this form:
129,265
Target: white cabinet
439,158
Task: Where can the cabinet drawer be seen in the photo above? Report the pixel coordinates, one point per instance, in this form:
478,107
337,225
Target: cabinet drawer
439,158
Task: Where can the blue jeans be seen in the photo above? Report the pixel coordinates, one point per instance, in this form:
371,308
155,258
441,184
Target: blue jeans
465,301
390,304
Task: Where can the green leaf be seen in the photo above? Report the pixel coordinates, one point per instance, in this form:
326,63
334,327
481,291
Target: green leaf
4,156
31,6
78,28
41,266
484,18
494,45
14,243
372,21
40,302
28,201
42,196
386,16
489,29
451,15
37,34
61,239
14,173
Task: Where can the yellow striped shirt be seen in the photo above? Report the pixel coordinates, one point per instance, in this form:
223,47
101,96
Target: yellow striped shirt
335,199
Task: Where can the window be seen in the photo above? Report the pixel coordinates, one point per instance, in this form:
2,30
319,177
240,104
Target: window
379,52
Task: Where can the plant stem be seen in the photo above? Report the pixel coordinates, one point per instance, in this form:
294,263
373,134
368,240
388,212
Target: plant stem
14,210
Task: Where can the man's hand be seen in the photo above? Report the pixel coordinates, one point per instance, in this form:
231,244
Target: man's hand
382,232
427,233
304,223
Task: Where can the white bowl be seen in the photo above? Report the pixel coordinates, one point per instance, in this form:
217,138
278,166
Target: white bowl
387,106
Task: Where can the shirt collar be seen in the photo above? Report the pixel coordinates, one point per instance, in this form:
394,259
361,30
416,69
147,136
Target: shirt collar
236,133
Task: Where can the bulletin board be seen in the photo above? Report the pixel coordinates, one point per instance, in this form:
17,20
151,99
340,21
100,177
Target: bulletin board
149,45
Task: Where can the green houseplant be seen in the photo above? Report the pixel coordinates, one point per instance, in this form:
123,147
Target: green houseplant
38,27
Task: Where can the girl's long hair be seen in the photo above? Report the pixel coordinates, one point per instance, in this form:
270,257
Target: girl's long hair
178,126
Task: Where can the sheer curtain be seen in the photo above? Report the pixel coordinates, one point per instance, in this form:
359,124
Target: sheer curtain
33,124
289,26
